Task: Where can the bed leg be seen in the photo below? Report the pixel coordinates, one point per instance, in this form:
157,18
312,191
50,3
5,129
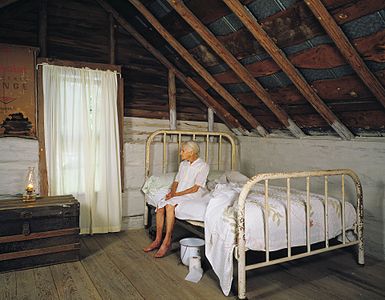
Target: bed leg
241,275
145,216
361,258
361,250
360,219
360,231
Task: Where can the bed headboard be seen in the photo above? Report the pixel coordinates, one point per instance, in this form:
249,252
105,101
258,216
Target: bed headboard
178,136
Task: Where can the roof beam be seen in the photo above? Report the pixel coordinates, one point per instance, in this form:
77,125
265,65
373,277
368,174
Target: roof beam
236,66
199,68
248,19
4,3
346,49
283,62
206,98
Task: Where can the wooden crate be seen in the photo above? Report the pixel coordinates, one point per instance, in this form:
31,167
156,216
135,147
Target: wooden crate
38,233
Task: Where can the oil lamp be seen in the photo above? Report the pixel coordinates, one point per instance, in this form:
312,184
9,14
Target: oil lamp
30,185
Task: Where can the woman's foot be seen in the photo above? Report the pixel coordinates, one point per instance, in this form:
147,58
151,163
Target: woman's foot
154,245
163,250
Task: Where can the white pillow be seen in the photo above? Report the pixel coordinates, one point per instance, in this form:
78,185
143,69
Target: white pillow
215,175
223,177
236,177
214,178
157,182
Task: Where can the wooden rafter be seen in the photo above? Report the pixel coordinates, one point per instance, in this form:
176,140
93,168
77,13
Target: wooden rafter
4,3
206,98
284,63
199,68
346,49
236,66
290,33
322,56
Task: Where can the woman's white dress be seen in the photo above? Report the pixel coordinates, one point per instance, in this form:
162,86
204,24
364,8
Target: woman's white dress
189,174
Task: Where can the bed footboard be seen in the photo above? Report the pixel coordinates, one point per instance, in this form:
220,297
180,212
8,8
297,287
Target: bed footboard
240,252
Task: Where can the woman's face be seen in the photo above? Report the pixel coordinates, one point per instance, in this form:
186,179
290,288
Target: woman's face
186,153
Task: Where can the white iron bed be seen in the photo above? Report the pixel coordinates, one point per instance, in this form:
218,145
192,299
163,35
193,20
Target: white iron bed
242,240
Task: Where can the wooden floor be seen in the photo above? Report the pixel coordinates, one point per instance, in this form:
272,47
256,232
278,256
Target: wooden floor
113,266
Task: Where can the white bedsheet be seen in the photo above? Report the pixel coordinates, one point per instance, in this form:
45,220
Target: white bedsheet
191,209
157,186
220,223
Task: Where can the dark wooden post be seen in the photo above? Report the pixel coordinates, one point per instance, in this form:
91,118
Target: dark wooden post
172,98
40,133
112,38
210,119
43,28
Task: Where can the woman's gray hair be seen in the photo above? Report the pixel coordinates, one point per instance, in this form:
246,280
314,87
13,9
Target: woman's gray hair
192,146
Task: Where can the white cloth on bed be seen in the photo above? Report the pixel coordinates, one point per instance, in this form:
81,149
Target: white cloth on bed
189,174
220,235
156,187
196,210
220,223
192,209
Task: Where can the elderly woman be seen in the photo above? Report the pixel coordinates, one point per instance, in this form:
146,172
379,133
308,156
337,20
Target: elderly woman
188,185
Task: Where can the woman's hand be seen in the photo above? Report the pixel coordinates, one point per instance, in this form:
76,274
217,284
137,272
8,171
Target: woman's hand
170,195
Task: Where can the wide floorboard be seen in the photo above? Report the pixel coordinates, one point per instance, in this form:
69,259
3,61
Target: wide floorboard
113,266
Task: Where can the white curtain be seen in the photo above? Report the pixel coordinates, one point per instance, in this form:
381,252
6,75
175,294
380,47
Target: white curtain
82,143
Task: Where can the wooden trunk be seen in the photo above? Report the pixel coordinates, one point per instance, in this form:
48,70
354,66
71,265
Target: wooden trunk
38,233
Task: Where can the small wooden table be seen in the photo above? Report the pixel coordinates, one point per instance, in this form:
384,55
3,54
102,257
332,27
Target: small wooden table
38,233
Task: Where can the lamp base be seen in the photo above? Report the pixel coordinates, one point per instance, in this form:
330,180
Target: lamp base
29,197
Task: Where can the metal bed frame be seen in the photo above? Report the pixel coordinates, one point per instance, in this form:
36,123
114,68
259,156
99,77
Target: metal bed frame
209,138
240,248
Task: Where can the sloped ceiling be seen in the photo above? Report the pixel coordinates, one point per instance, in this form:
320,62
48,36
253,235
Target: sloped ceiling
80,30
349,100
287,75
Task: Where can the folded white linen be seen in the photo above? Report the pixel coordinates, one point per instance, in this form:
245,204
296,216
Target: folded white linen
157,186
194,210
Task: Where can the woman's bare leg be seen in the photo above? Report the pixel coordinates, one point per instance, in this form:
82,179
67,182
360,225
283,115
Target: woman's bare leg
159,231
170,221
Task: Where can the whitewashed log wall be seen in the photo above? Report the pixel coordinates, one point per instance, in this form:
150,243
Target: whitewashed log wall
364,156
16,155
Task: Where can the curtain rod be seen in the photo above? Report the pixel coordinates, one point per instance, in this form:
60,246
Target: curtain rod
45,63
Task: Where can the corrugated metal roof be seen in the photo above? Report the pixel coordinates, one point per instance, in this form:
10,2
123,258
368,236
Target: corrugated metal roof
365,25
228,27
